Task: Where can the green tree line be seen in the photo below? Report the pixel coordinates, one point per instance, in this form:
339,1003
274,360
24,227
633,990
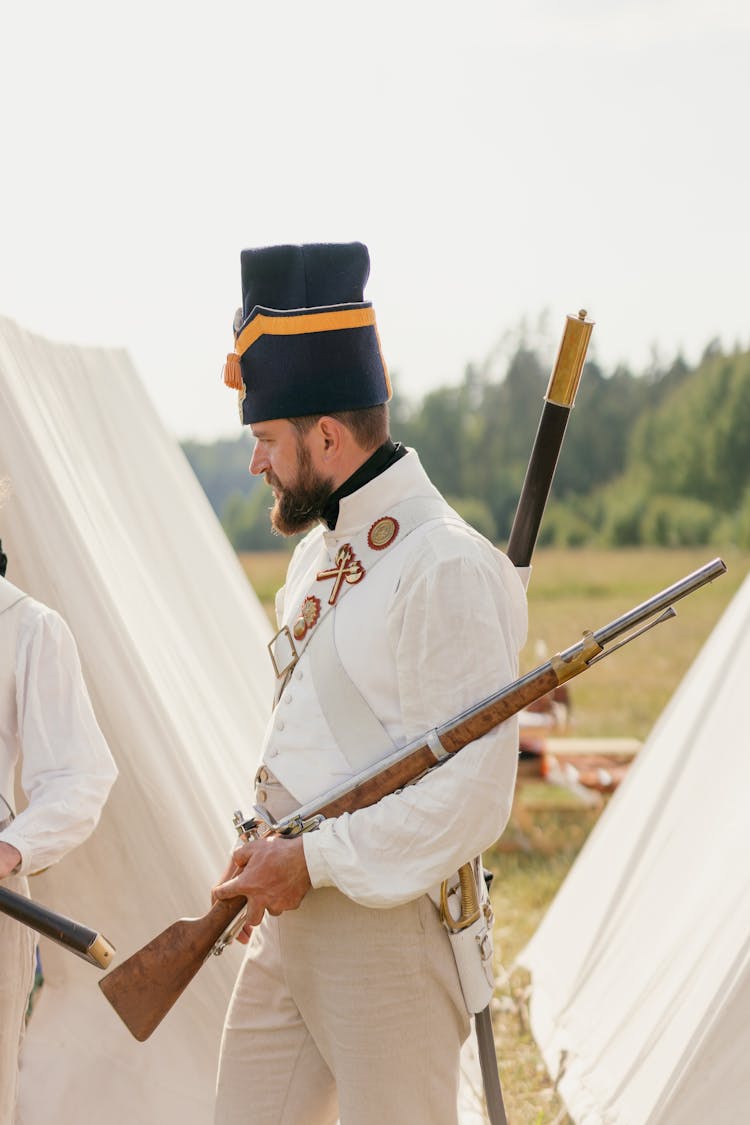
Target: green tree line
659,458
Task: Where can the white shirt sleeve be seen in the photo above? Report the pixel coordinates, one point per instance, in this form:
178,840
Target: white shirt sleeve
67,770
457,627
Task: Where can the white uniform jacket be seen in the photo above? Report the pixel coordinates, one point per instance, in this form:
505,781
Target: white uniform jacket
47,722
433,628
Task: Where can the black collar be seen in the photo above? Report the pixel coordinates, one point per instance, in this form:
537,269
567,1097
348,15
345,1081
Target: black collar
384,456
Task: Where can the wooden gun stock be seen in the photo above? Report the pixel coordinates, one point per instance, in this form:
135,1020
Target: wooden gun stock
143,989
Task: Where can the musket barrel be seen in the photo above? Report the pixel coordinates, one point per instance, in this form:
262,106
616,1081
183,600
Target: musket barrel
86,943
594,643
674,593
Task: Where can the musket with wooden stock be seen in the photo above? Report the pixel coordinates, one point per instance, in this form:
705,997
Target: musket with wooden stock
145,986
82,941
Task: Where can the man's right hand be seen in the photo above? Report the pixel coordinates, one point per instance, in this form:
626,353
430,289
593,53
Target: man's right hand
272,875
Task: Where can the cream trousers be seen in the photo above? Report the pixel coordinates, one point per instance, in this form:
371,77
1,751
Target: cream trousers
17,945
343,1013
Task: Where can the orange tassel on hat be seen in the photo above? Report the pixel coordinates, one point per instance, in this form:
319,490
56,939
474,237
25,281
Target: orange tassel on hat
233,372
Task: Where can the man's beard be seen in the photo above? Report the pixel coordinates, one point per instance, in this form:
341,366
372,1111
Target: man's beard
299,505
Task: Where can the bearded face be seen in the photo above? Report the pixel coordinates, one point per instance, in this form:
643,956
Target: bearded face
299,503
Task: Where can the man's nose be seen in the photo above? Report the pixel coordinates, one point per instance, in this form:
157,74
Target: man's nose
258,463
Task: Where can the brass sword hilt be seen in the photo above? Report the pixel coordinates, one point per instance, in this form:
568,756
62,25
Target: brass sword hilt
469,898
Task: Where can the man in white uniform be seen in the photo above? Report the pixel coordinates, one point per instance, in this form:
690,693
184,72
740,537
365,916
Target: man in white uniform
49,733
395,617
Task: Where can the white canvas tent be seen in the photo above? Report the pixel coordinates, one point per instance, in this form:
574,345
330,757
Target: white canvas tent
107,524
641,967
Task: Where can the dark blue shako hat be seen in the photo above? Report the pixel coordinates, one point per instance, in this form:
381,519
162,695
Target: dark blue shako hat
306,341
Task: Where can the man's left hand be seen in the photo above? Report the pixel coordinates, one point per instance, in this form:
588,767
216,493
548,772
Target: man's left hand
272,876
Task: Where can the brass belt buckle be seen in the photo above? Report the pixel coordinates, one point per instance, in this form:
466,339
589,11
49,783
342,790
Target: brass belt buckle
275,646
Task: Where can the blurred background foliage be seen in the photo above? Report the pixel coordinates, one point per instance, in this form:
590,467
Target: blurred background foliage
660,458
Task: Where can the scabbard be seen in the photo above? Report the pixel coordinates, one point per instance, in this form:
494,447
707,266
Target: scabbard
493,1094
559,401
82,941
538,482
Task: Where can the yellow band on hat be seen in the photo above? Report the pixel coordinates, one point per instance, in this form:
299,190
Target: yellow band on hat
299,323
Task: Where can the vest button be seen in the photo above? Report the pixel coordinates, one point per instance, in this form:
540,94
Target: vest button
279,724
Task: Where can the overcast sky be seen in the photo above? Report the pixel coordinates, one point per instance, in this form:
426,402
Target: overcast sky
500,160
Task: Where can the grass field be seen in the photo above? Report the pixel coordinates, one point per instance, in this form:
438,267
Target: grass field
571,591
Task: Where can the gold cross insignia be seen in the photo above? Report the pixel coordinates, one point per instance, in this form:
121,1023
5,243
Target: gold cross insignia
347,568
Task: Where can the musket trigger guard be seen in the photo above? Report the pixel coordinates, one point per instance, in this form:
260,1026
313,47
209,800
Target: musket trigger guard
230,933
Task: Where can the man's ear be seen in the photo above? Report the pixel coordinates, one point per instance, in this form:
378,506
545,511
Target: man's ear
331,437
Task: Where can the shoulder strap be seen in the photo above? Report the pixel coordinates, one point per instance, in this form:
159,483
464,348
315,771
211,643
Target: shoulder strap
359,733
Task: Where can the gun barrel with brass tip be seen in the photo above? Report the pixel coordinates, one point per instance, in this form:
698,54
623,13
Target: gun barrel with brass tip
85,943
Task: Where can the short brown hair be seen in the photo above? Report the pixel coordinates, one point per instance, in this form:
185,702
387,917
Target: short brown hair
370,426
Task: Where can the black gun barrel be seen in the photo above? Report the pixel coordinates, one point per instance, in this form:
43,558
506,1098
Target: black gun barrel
86,943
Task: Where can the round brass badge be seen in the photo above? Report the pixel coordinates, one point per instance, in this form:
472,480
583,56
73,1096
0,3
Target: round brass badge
382,533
